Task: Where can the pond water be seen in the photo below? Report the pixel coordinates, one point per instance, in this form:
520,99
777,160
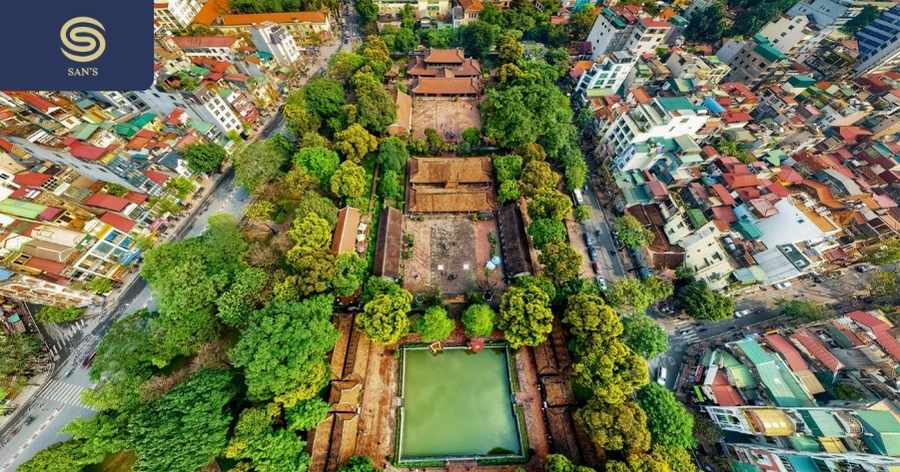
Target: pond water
457,403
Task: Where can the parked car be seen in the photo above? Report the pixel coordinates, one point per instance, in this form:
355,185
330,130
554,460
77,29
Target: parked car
663,374
601,282
88,360
741,313
782,285
589,240
30,419
593,254
863,268
596,266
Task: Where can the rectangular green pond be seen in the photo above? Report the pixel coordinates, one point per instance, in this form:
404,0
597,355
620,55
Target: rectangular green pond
457,404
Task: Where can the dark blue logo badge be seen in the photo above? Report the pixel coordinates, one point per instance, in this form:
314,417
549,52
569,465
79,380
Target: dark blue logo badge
77,45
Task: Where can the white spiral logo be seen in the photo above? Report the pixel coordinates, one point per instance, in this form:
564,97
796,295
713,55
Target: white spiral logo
82,39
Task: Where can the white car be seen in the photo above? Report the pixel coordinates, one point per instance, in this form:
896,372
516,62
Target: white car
741,313
782,285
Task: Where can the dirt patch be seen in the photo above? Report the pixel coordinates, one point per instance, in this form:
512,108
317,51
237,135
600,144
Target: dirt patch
449,254
449,117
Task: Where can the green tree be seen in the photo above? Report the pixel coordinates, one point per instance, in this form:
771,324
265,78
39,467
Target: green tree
479,37
60,457
354,143
544,231
358,464
325,97
667,419
610,370
350,183
311,233
703,304
507,168
550,204
561,262
508,191
389,185
478,319
55,314
268,449
392,154
349,272
804,310
306,415
259,163
367,10
242,296
619,427
631,232
314,271
537,176
706,25
312,202
637,295
866,16
299,119
99,285
644,336
525,316
582,213
528,111
384,319
196,409
284,349
434,324
509,49
375,107
16,350
343,65
318,161
204,158
885,252
558,463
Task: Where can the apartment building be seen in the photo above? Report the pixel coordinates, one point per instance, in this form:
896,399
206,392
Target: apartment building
788,34
706,70
176,15
434,9
625,136
606,76
756,61
221,48
879,43
626,28
277,41
302,25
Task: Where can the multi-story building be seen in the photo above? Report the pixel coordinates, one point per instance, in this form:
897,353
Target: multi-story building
606,76
757,61
275,40
788,34
879,43
707,70
703,253
625,29
625,136
176,15
302,25
205,103
433,9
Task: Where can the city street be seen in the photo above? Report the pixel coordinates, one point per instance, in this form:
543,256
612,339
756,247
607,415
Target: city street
610,264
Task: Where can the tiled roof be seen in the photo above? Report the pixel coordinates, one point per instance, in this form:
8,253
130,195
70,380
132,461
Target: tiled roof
121,223
446,86
106,201
156,176
85,151
869,321
735,116
345,230
31,179
790,354
200,42
45,265
284,17
817,349
445,56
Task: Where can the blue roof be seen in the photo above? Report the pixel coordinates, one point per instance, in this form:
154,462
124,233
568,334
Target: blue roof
712,105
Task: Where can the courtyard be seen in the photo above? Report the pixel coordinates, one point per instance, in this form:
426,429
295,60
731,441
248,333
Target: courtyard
458,404
448,116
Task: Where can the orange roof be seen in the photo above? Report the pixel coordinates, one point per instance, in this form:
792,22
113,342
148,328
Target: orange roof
117,221
345,231
31,179
197,42
210,11
285,17
445,56
471,5
788,352
817,349
45,265
446,86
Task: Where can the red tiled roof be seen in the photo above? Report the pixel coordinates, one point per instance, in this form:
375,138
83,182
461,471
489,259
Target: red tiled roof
45,265
851,134
35,101
85,151
641,95
789,175
817,349
724,213
121,223
446,86
889,344
136,197
866,319
735,181
726,395
736,116
175,117
344,239
283,17
778,189
31,179
445,56
106,201
652,23
6,145
156,176
471,5
790,354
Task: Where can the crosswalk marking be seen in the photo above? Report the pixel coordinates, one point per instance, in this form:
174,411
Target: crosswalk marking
63,392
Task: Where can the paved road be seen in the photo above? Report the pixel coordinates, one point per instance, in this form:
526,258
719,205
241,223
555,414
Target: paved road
610,266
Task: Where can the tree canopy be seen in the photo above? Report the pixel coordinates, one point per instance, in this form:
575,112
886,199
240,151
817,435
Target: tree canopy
544,231
384,317
561,262
703,304
644,336
259,163
434,324
525,316
631,232
667,419
319,162
204,158
478,319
